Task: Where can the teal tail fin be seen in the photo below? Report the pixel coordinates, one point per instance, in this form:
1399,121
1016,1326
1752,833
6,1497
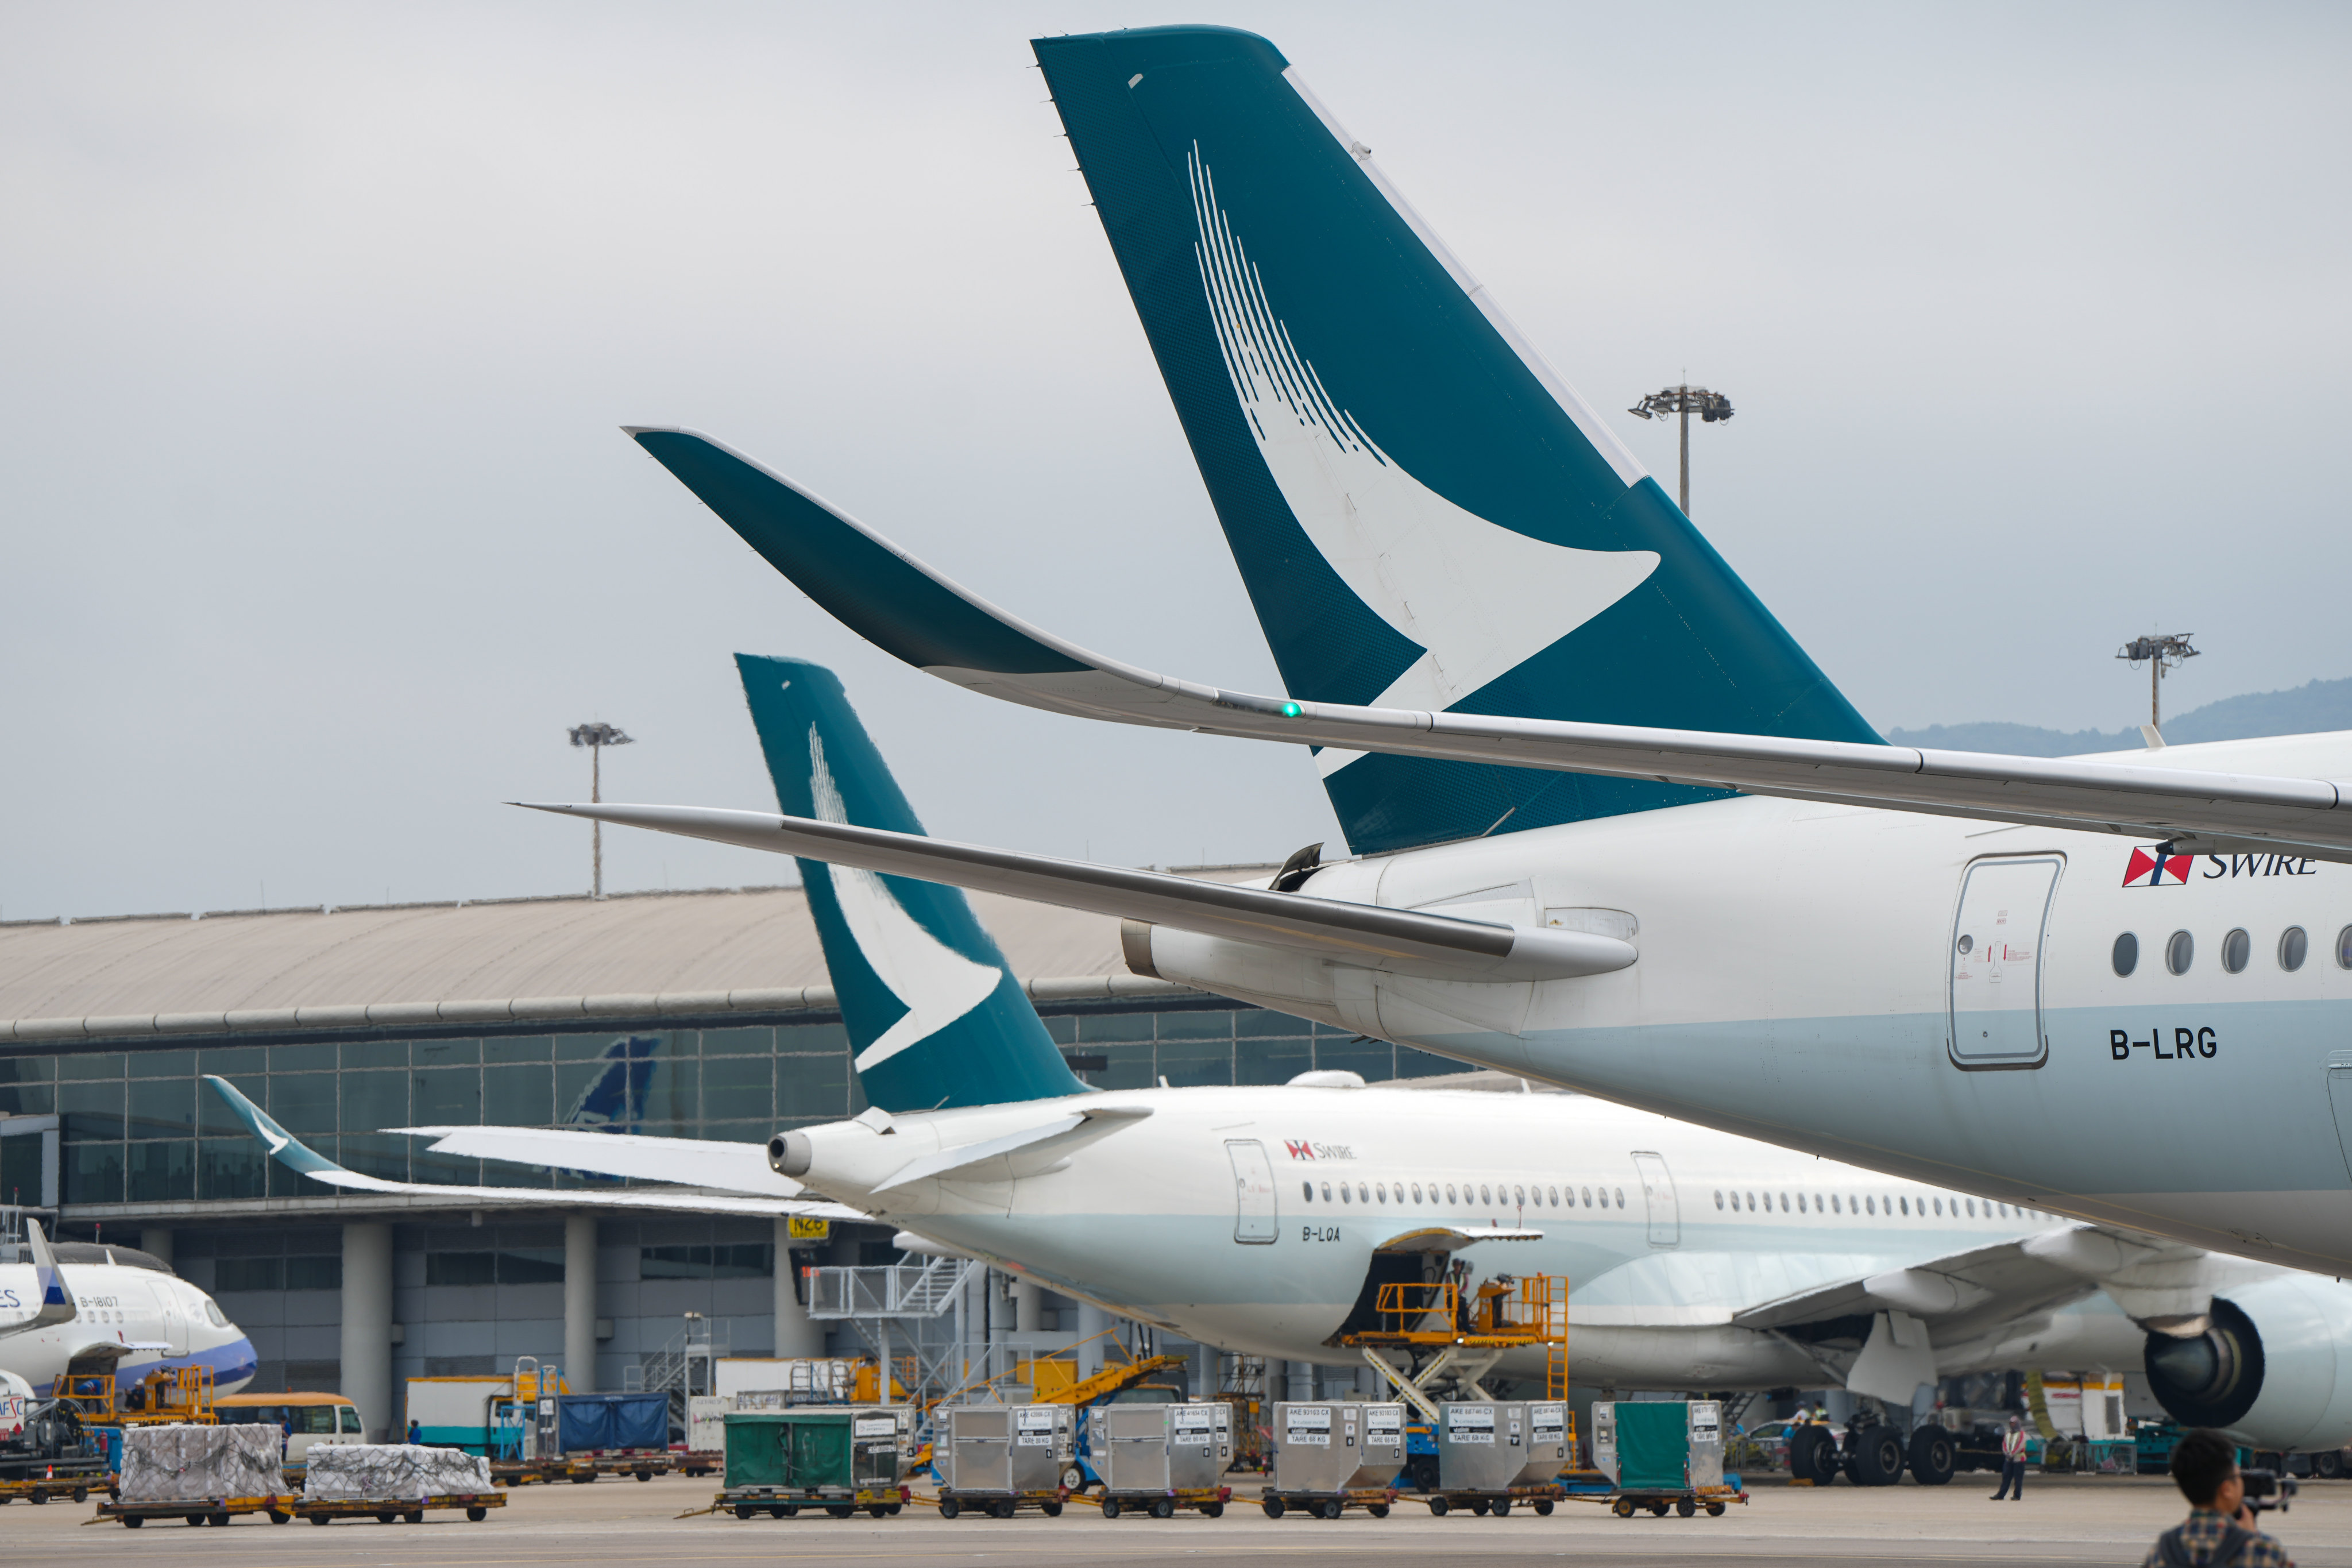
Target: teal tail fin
934,1016
1427,516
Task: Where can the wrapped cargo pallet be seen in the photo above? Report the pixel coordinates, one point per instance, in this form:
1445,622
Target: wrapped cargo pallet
188,1463
379,1472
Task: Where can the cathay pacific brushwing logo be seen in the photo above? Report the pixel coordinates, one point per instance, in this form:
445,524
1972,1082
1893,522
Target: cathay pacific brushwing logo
1479,598
936,984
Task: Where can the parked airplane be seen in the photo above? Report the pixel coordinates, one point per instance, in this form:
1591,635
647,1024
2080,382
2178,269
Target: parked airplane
1615,829
88,1308
1265,1219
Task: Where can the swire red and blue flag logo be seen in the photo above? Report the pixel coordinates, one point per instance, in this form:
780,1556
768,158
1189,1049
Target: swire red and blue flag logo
2150,869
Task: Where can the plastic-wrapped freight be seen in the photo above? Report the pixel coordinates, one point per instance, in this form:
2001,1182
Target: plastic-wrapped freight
372,1472
180,1464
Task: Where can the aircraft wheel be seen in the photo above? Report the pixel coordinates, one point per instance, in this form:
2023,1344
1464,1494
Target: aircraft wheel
1932,1456
1813,1455
1878,1458
1110,1507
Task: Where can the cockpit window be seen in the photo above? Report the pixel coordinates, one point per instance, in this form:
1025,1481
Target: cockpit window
214,1315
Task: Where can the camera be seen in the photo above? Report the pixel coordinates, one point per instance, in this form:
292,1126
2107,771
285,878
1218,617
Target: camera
2267,1489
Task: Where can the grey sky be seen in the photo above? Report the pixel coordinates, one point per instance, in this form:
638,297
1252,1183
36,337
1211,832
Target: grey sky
319,322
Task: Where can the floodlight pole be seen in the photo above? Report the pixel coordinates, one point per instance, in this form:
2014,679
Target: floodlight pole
597,737
1683,400
2162,650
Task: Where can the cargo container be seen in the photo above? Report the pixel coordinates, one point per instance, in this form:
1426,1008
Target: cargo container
835,1457
1002,1458
1328,1458
1493,1455
1663,1454
1157,1458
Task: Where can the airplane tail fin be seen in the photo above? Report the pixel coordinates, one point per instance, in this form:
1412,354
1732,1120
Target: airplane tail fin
56,1302
1425,515
934,1016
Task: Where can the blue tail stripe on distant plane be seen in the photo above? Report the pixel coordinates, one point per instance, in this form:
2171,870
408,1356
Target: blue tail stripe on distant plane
1335,378
934,1014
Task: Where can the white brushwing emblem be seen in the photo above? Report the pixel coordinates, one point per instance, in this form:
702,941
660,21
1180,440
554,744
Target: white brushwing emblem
934,983
1477,598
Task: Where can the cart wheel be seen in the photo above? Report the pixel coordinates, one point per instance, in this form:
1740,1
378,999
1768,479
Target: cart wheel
789,1510
1002,1507
877,1510
1715,1511
1658,1509
645,1475
40,1497
1074,1480
1543,1507
1437,1508
386,1518
950,1508
1213,1509
318,1518
1273,1509
584,1480
1686,1507
131,1521
1502,1506
476,1515
82,1494
1110,1507
1480,1507
416,1516
742,1513
220,1519
1377,1510
278,1518
191,1519
840,1510
1163,1508
1050,1509
1623,1508
1331,1508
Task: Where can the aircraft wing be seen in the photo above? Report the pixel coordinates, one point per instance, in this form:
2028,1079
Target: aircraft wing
1407,942
2163,1285
296,1155
910,611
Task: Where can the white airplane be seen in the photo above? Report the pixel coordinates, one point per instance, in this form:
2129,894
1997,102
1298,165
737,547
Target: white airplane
88,1308
1612,828
1265,1219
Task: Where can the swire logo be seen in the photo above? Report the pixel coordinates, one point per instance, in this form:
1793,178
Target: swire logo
2149,870
1304,1149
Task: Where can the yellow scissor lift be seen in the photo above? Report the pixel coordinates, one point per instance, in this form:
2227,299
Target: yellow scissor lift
1443,1337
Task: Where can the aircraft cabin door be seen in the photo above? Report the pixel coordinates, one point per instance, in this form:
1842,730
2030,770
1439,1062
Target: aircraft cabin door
1999,937
1254,1211
1658,1198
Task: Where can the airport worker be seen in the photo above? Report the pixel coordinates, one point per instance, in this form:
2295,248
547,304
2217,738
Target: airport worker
2013,1461
2220,1530
415,1432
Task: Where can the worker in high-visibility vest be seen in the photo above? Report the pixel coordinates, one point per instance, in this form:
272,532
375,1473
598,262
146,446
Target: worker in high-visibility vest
2013,1461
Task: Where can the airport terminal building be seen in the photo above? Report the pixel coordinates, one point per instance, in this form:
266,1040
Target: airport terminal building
690,1015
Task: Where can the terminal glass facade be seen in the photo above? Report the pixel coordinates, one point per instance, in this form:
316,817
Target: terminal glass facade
139,1124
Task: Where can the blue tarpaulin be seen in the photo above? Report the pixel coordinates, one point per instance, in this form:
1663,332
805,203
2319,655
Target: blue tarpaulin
613,1420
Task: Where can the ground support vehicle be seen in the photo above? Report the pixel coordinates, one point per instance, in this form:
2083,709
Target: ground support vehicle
785,1502
1684,1500
199,1510
77,1484
1540,1499
998,1505
578,1470
644,1464
1374,1500
1208,1500
384,1511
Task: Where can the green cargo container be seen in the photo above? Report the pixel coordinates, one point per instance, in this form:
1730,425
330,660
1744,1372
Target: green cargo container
1653,1444
813,1450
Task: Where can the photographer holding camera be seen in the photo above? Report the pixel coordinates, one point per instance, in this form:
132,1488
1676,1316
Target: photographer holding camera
2219,1531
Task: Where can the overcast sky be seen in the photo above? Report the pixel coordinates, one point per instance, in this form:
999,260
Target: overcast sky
316,324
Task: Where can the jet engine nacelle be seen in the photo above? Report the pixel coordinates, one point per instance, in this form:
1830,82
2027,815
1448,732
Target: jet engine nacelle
2273,1368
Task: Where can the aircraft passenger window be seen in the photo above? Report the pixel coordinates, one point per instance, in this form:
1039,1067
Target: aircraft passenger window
2293,945
1343,1191
1718,1198
1871,1204
1588,1197
2344,948
2179,953
1555,1197
1801,1202
1485,1196
1363,1194
2237,948
1973,1208
1522,1196
1327,1192
1306,1187
1621,1197
1383,1193
2126,955
1416,1191
1939,1208
1751,1202
1833,1205
1449,1194
1784,1203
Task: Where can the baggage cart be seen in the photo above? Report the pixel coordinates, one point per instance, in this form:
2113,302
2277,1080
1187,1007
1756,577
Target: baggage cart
1331,1457
579,1469
77,1484
385,1511
1663,1454
838,1457
644,1464
1157,1458
1001,1460
1495,1455
199,1510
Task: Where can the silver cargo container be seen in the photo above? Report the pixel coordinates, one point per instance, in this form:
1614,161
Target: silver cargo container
1002,1450
1493,1446
1159,1448
1325,1448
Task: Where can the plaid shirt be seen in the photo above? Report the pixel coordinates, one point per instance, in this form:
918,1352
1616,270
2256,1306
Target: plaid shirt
2202,1534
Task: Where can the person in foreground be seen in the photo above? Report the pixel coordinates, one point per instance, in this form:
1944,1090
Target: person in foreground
2220,1530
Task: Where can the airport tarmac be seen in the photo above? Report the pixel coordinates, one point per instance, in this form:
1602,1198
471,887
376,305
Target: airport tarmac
621,1524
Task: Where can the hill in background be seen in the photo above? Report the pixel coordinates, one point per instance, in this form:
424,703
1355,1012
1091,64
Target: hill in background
2298,711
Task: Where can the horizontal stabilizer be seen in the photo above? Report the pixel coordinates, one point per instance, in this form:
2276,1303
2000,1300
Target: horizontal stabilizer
690,1162
910,611
1403,942
1047,1138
